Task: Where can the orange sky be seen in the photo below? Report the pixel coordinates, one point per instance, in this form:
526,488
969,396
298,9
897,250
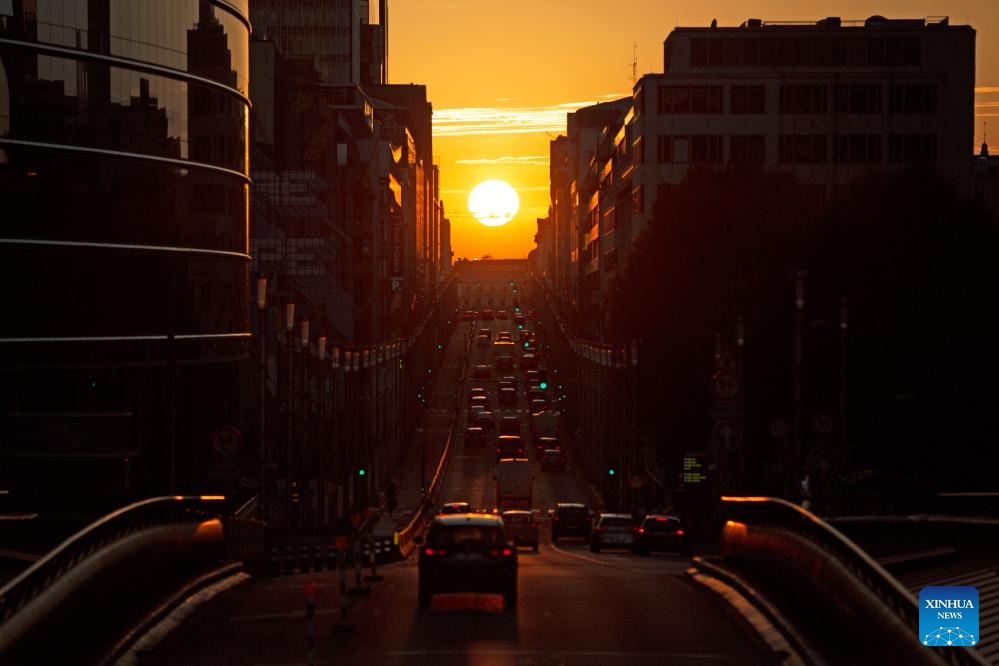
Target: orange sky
502,74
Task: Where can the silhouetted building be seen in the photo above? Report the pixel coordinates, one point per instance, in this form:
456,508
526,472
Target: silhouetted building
123,189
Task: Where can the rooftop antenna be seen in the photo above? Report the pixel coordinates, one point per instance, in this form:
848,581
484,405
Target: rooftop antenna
634,62
985,136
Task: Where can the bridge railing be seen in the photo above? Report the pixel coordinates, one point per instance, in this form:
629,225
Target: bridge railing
776,517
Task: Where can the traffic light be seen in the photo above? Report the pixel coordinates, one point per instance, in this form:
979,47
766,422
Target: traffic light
611,471
362,471
543,385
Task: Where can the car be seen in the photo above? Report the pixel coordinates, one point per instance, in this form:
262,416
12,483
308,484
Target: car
482,371
454,507
521,528
484,419
504,336
663,533
507,396
504,363
507,381
612,530
486,332
520,320
475,436
509,446
553,460
532,378
468,315
482,341
545,442
476,390
467,553
528,362
487,315
502,314
570,519
537,393
477,401
509,425
537,406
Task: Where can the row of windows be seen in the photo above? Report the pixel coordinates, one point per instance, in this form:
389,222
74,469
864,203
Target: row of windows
809,98
806,51
797,149
195,36
92,104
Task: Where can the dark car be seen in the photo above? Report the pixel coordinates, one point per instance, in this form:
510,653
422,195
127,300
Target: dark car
521,527
454,507
475,436
553,460
570,519
508,396
482,371
467,553
663,533
612,530
528,362
509,425
545,442
504,364
509,446
484,419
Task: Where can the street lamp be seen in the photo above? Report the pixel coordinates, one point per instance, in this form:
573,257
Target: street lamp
799,306
262,343
306,403
289,326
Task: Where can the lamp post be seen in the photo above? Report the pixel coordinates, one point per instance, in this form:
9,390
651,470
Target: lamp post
844,446
306,404
337,465
320,457
262,343
799,307
289,326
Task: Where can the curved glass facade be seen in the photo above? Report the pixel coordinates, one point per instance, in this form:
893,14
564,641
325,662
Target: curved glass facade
124,241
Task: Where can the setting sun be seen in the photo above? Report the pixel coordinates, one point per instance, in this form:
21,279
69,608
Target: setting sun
493,203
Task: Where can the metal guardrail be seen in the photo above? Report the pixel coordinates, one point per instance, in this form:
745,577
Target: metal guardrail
779,513
154,512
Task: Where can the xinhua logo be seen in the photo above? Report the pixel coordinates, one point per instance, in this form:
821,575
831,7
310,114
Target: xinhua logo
948,615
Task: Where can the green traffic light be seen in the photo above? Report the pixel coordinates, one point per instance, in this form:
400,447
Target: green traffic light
544,385
611,471
361,472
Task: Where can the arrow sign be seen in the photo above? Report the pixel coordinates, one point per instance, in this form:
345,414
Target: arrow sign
725,435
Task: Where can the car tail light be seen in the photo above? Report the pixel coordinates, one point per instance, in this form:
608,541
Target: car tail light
640,530
679,532
430,552
506,552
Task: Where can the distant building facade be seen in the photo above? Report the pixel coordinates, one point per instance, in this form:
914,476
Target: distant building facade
124,189
826,101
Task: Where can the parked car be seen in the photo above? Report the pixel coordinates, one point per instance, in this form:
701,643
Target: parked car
467,553
570,519
521,528
553,460
663,533
612,530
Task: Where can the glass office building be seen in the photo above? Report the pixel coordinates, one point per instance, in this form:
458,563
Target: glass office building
124,246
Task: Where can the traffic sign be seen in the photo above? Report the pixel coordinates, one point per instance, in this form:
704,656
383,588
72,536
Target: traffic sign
779,428
823,423
724,384
226,441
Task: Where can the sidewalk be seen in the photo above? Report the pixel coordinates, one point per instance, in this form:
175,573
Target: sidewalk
430,438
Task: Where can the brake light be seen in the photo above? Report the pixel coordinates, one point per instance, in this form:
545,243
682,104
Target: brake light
679,532
506,552
430,552
641,530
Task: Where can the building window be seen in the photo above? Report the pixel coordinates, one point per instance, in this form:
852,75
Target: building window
610,220
914,98
637,200
912,148
701,149
857,149
705,149
802,99
610,259
747,99
689,99
747,149
858,98
802,149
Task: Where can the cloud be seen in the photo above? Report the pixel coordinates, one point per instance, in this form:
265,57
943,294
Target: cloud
509,120
525,160
986,90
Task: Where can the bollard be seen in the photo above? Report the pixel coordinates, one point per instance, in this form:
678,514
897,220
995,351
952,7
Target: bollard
342,627
372,560
310,619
